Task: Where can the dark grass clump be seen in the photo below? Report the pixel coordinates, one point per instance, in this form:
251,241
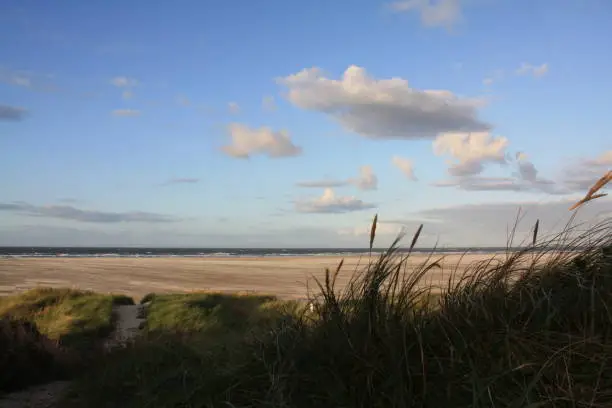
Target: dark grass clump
532,329
27,357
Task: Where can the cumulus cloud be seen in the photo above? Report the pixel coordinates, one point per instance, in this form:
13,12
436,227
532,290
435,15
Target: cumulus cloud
331,204
67,212
366,180
247,142
405,166
470,151
12,113
433,13
533,70
126,112
385,108
233,108
123,82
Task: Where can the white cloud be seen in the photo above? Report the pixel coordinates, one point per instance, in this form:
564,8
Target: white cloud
268,103
123,82
433,13
534,70
247,142
233,108
405,166
127,94
330,203
470,151
385,108
366,180
126,112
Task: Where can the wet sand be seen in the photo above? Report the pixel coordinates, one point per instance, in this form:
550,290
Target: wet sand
285,277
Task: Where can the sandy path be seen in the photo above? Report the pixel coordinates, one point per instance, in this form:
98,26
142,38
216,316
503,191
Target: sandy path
285,277
127,324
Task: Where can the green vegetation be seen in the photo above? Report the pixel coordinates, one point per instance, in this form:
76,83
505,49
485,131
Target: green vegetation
533,329
71,317
46,333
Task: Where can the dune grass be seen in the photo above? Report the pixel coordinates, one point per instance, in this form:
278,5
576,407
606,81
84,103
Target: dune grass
532,329
204,312
49,334
70,317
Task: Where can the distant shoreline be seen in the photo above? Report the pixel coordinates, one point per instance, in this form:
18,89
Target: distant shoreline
225,253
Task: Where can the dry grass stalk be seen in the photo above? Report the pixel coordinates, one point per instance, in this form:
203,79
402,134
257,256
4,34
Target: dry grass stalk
596,187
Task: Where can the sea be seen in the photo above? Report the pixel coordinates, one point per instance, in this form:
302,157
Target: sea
133,252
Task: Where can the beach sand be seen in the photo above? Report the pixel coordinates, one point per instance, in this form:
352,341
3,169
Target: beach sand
285,277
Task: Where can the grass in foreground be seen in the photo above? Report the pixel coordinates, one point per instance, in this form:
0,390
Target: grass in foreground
523,331
46,334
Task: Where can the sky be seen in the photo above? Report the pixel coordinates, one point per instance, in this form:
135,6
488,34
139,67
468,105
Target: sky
291,124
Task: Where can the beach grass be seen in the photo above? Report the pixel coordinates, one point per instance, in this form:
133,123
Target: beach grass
48,334
203,312
532,329
69,316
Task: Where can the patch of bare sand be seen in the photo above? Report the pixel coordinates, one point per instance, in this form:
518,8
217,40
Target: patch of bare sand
286,277
128,321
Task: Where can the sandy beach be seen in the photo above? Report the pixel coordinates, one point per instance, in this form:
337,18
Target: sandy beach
285,277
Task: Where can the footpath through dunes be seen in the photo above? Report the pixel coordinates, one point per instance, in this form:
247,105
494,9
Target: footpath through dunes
285,277
127,319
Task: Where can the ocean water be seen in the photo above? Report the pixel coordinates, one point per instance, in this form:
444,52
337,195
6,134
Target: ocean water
123,252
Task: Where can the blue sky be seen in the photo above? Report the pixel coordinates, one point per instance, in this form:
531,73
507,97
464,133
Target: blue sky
276,123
